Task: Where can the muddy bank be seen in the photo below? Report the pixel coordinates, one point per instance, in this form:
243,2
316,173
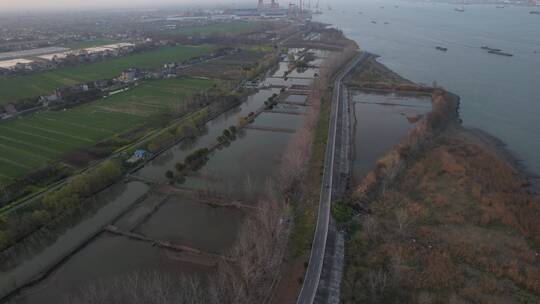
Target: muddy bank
500,149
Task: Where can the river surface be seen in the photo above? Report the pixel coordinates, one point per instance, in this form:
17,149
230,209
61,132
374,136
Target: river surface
499,94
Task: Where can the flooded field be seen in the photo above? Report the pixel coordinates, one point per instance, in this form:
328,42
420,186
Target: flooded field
103,259
144,217
185,221
381,121
156,169
241,170
117,199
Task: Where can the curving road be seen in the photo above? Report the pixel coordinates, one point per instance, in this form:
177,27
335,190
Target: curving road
331,170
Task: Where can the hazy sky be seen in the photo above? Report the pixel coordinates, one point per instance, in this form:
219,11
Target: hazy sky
72,4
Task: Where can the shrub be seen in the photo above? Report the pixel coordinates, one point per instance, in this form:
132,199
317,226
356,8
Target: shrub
341,213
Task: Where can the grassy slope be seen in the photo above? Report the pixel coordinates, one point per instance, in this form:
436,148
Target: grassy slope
30,142
469,233
44,83
373,71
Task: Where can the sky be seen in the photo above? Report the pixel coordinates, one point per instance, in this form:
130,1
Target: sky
9,5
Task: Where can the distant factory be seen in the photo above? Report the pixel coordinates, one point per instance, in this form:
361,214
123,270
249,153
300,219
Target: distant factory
271,10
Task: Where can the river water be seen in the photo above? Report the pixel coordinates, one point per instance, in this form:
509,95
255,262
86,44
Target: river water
499,94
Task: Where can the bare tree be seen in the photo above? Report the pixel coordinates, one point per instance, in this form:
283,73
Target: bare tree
371,228
142,287
402,218
377,281
254,260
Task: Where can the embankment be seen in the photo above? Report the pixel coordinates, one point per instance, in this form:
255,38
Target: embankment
444,114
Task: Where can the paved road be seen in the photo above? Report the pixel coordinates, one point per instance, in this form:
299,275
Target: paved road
331,164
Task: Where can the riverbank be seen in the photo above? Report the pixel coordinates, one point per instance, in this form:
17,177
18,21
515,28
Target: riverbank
458,223
448,214
499,148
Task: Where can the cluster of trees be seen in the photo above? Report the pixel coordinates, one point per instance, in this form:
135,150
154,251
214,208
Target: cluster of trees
244,121
271,102
185,129
227,136
82,186
57,204
32,182
197,159
262,66
192,162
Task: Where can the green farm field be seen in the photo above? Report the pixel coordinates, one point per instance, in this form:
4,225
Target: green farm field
15,88
74,45
231,27
31,142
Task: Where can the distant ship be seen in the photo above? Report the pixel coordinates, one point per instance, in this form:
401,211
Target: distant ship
442,49
460,9
500,6
374,22
485,47
534,12
501,53
387,23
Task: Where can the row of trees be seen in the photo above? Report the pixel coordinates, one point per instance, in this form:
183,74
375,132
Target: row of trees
187,128
62,202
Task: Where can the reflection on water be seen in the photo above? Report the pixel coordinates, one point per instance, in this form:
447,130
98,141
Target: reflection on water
118,198
105,257
190,223
287,82
242,169
381,121
297,98
278,120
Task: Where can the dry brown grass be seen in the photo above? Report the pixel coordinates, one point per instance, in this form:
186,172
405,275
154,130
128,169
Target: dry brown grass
458,226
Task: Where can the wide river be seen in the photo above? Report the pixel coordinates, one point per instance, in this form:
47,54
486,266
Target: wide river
499,94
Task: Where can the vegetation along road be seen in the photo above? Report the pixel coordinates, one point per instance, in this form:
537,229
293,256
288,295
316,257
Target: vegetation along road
313,272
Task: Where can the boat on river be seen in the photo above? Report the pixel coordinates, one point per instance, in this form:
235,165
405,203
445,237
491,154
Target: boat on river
442,49
487,48
501,53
